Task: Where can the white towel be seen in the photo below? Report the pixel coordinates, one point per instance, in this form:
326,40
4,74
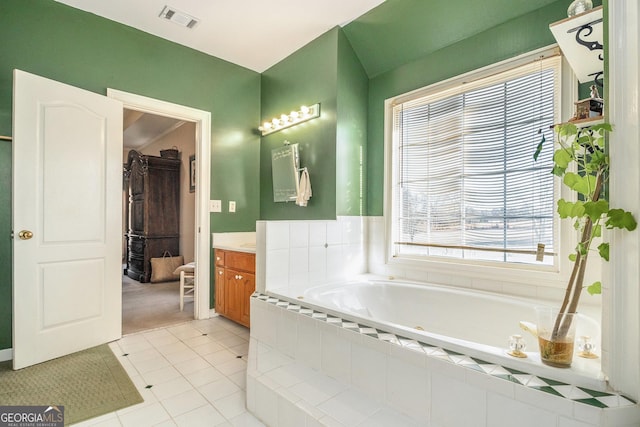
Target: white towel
304,188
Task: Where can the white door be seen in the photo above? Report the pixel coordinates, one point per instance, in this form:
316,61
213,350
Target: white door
67,216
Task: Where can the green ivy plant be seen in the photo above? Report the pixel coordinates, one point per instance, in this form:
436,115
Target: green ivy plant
582,163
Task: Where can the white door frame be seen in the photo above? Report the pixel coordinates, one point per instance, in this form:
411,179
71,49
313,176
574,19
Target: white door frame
202,120
620,293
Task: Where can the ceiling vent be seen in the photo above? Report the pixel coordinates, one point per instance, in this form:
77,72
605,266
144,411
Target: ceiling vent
172,14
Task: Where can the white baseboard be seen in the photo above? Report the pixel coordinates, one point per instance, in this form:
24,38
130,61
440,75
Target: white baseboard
6,354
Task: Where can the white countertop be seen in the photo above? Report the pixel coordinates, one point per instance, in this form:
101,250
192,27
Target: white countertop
249,249
237,241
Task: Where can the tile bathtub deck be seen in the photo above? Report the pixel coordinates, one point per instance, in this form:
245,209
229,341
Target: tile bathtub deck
191,374
598,399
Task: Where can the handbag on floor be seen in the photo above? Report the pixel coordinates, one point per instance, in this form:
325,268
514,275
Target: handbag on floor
162,269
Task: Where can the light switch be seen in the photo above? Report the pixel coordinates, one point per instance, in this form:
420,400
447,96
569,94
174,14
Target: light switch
232,206
215,205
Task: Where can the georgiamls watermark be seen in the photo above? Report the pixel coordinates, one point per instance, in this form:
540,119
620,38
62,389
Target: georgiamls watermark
31,416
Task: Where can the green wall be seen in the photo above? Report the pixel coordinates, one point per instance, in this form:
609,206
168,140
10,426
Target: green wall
306,77
399,32
81,49
328,71
515,37
353,87
5,245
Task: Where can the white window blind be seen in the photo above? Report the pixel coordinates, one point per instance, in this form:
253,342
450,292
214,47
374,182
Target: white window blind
465,183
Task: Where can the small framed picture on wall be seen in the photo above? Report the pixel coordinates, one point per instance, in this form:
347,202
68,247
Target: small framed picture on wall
192,173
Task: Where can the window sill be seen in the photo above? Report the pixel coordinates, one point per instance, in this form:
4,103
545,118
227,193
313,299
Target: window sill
511,279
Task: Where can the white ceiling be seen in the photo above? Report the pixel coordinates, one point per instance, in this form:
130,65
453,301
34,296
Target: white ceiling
141,129
255,34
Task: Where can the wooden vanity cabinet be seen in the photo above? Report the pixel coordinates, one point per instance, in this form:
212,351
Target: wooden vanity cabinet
235,282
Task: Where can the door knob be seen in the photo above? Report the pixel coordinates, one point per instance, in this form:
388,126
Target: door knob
25,234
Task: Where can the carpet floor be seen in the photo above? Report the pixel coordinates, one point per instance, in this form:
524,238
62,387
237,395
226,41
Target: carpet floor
152,305
88,384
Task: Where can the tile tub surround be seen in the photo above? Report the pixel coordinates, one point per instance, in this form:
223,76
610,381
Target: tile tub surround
306,365
297,255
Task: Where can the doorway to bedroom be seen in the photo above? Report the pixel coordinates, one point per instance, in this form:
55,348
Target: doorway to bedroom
158,220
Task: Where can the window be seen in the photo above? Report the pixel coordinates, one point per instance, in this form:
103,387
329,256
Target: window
465,185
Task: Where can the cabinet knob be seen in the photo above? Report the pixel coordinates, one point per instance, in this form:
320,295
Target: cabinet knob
220,272
240,277
217,258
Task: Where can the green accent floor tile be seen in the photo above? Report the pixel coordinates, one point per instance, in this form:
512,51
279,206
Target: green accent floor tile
509,378
549,389
426,345
516,372
592,402
552,382
595,393
475,368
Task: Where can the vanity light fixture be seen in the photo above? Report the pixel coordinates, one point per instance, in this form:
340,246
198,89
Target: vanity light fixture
287,120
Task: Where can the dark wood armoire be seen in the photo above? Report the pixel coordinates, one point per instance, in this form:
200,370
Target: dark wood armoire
153,213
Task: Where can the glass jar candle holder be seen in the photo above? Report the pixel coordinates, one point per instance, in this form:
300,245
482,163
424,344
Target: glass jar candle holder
517,345
586,347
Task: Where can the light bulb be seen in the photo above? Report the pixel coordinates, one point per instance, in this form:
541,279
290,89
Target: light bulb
275,122
304,109
294,115
266,125
579,6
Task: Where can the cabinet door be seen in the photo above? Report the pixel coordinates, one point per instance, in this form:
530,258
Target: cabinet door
233,294
219,291
162,197
248,287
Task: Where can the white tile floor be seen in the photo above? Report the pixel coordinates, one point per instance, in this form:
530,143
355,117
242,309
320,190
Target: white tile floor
197,374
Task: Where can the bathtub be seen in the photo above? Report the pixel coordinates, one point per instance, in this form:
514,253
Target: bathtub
474,323
356,345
